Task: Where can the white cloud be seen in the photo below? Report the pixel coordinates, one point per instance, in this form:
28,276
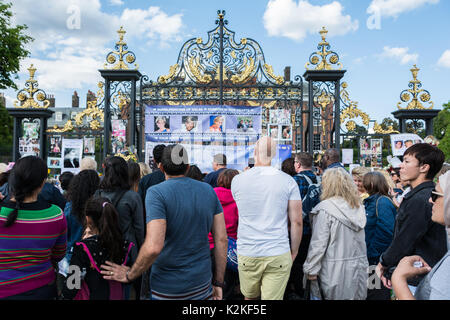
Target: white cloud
444,60
360,60
116,2
152,23
399,54
68,71
9,101
70,58
294,20
393,8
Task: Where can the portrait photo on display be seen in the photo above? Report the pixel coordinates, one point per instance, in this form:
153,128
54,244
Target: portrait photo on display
162,124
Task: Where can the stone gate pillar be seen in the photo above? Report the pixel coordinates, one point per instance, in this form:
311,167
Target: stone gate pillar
30,120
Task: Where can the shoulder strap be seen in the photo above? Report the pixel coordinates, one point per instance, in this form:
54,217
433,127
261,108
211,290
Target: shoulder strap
320,288
390,200
308,179
128,252
85,248
376,204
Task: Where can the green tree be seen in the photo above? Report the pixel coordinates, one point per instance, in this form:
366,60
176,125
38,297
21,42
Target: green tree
389,122
441,127
6,126
12,47
417,127
6,134
359,130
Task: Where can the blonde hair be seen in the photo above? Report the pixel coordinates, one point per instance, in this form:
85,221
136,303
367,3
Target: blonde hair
336,182
145,169
387,176
161,119
217,119
265,150
359,172
88,164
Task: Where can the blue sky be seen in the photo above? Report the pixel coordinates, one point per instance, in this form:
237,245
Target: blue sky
72,38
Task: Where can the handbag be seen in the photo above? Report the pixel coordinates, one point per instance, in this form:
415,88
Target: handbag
232,262
307,291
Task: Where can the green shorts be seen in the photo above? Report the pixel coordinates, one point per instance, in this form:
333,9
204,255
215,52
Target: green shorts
264,277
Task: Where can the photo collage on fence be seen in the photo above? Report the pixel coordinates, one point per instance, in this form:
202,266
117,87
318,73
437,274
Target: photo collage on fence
371,151
29,141
280,126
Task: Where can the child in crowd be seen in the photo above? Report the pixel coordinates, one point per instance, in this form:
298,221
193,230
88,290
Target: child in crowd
102,240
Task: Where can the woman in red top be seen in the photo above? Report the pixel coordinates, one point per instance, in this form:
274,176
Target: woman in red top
230,212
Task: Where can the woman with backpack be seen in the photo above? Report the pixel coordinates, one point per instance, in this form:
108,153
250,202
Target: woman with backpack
116,187
380,214
102,240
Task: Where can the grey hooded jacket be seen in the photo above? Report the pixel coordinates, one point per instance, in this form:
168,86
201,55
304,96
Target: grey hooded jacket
337,252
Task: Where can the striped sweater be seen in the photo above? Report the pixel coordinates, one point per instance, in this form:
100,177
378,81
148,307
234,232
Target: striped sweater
30,247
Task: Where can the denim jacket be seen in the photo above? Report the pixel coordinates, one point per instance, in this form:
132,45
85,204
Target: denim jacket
379,229
74,233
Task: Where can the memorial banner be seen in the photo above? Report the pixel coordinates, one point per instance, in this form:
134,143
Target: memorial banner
205,130
284,151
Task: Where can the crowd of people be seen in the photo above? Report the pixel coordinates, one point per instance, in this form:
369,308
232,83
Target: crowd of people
171,232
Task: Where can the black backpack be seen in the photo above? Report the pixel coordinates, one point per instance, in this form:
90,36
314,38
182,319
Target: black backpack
311,198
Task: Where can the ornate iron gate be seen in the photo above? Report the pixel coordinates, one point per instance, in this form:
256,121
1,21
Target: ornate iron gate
221,71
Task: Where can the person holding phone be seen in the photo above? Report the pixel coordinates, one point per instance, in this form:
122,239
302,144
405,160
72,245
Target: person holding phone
436,285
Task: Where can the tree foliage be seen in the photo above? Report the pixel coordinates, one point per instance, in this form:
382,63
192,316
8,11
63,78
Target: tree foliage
12,47
6,126
417,127
389,122
441,127
358,130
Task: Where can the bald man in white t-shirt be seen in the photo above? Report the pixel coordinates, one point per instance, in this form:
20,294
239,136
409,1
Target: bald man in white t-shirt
267,199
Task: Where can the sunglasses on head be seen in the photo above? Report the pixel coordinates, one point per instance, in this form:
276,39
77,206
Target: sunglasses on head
435,195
